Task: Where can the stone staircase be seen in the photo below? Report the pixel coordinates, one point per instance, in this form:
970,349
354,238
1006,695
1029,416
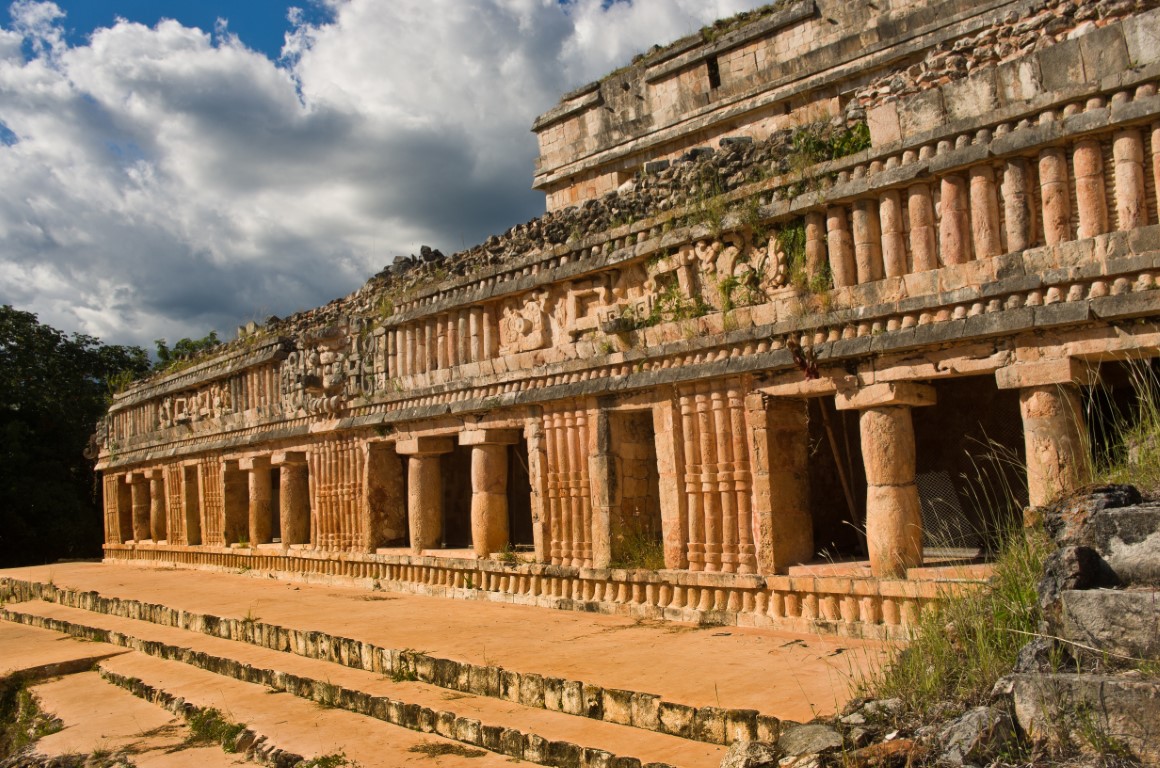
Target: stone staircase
187,660
1092,680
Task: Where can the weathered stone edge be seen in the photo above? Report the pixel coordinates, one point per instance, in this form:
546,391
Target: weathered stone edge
713,725
505,741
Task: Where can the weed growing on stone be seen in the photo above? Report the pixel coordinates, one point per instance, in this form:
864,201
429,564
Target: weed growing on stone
21,721
336,760
1128,436
508,556
209,726
440,749
638,550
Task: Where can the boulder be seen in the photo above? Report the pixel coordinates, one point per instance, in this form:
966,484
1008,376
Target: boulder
751,754
811,739
976,736
1123,623
1097,713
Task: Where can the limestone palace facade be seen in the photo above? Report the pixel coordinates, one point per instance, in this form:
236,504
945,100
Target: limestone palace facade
821,291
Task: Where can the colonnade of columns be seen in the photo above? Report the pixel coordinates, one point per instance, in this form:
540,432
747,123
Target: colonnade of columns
733,467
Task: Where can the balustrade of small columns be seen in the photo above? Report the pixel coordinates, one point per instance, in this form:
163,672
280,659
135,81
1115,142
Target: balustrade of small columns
787,601
569,496
467,335
718,481
1064,192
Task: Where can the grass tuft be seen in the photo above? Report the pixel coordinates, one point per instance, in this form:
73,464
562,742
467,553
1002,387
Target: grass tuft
209,726
967,642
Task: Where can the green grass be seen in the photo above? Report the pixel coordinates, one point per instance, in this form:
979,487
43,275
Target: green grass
335,760
209,726
966,643
1129,451
637,550
21,720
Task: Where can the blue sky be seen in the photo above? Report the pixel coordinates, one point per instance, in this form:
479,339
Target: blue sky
158,179
261,24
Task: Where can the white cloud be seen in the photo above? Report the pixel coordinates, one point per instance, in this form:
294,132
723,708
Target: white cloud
164,181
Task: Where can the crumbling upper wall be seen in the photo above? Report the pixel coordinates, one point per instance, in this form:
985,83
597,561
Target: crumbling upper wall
785,65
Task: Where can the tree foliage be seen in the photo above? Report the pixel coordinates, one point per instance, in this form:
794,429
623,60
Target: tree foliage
53,388
184,351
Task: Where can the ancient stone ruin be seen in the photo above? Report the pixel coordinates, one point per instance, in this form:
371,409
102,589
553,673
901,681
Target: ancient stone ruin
799,275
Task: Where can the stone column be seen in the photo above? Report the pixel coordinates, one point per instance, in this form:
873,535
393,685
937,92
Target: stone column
602,481
985,213
157,522
1155,145
893,240
293,496
779,452
1131,209
139,488
261,513
124,509
538,477
840,247
424,489
1090,200
1053,189
923,235
489,485
710,498
953,233
815,243
867,241
1018,213
1054,431
191,502
670,470
692,483
893,512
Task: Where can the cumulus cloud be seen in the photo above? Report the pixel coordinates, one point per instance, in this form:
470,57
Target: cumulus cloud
163,181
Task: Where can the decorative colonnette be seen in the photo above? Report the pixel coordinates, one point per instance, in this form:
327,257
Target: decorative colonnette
841,605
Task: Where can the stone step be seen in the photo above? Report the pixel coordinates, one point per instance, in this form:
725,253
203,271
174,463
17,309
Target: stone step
495,724
1107,714
522,654
281,729
1122,623
97,717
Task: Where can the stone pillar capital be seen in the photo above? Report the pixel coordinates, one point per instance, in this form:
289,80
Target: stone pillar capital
1044,373
885,394
255,463
488,437
425,446
278,458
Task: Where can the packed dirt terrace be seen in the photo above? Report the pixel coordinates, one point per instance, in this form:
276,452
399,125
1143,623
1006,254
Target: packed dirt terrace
394,671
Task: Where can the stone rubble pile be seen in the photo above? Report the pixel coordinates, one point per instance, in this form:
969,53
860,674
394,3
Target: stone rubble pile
1051,22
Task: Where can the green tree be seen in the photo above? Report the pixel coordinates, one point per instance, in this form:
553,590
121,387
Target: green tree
53,388
183,351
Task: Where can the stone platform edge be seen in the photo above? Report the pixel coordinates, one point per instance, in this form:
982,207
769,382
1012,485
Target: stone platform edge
847,606
647,711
